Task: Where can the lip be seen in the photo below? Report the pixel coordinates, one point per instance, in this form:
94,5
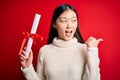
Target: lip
68,31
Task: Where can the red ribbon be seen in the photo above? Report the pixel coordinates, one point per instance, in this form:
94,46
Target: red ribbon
26,36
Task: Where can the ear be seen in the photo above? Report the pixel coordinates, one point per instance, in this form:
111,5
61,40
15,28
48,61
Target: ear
54,25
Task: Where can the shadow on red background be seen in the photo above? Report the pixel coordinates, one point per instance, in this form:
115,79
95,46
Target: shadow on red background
96,18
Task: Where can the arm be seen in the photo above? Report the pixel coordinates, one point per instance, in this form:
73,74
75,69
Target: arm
28,69
29,73
91,70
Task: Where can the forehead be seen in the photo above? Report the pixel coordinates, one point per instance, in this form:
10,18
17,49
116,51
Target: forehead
68,14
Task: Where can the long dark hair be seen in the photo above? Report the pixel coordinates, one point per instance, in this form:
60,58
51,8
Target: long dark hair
53,32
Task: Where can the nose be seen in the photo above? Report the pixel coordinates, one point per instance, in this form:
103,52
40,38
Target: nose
69,24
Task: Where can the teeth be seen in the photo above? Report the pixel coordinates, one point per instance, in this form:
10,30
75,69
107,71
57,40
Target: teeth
68,31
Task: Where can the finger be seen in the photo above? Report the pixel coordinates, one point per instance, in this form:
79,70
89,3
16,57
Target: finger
100,39
24,48
23,56
91,38
31,54
23,52
22,59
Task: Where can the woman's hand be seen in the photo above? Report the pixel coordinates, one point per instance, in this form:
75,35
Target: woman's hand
26,62
93,42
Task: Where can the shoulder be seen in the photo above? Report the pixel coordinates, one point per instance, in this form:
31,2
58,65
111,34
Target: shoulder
44,49
82,45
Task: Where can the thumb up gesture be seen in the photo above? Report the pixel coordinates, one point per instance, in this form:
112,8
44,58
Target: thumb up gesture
93,42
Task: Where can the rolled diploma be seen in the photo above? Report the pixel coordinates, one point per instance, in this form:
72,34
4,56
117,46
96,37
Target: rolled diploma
33,31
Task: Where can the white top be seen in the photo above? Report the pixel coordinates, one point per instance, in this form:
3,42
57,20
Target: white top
65,60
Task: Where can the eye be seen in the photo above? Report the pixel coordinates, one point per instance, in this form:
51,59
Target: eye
73,21
63,21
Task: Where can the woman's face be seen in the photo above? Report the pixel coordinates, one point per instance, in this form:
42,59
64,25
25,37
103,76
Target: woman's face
66,25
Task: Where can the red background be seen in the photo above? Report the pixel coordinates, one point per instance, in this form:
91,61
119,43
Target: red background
96,17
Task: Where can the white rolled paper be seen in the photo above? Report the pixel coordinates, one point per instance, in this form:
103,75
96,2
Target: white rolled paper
33,31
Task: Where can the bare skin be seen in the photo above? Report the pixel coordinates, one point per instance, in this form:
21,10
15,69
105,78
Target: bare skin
93,42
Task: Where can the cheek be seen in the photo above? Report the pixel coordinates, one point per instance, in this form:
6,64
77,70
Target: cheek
75,27
61,27
60,30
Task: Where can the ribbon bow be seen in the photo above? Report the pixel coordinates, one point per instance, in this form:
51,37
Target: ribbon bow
26,36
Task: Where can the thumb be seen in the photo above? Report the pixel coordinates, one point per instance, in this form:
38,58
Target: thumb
100,39
30,58
31,53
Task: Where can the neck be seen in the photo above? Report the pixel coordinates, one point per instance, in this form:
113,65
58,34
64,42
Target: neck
64,43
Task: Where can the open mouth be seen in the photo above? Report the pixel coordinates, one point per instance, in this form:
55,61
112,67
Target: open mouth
68,33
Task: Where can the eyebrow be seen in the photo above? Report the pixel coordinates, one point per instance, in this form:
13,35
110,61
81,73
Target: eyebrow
67,18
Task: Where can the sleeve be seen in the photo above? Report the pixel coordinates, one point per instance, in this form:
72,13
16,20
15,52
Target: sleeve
91,70
30,74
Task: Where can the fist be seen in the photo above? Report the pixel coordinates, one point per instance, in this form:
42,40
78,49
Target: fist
26,62
93,42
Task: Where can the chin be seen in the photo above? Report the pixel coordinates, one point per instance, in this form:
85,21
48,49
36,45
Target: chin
68,38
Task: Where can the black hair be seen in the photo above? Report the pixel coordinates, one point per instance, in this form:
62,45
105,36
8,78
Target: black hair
57,12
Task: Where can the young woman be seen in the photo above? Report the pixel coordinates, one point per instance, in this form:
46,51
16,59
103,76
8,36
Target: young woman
66,56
